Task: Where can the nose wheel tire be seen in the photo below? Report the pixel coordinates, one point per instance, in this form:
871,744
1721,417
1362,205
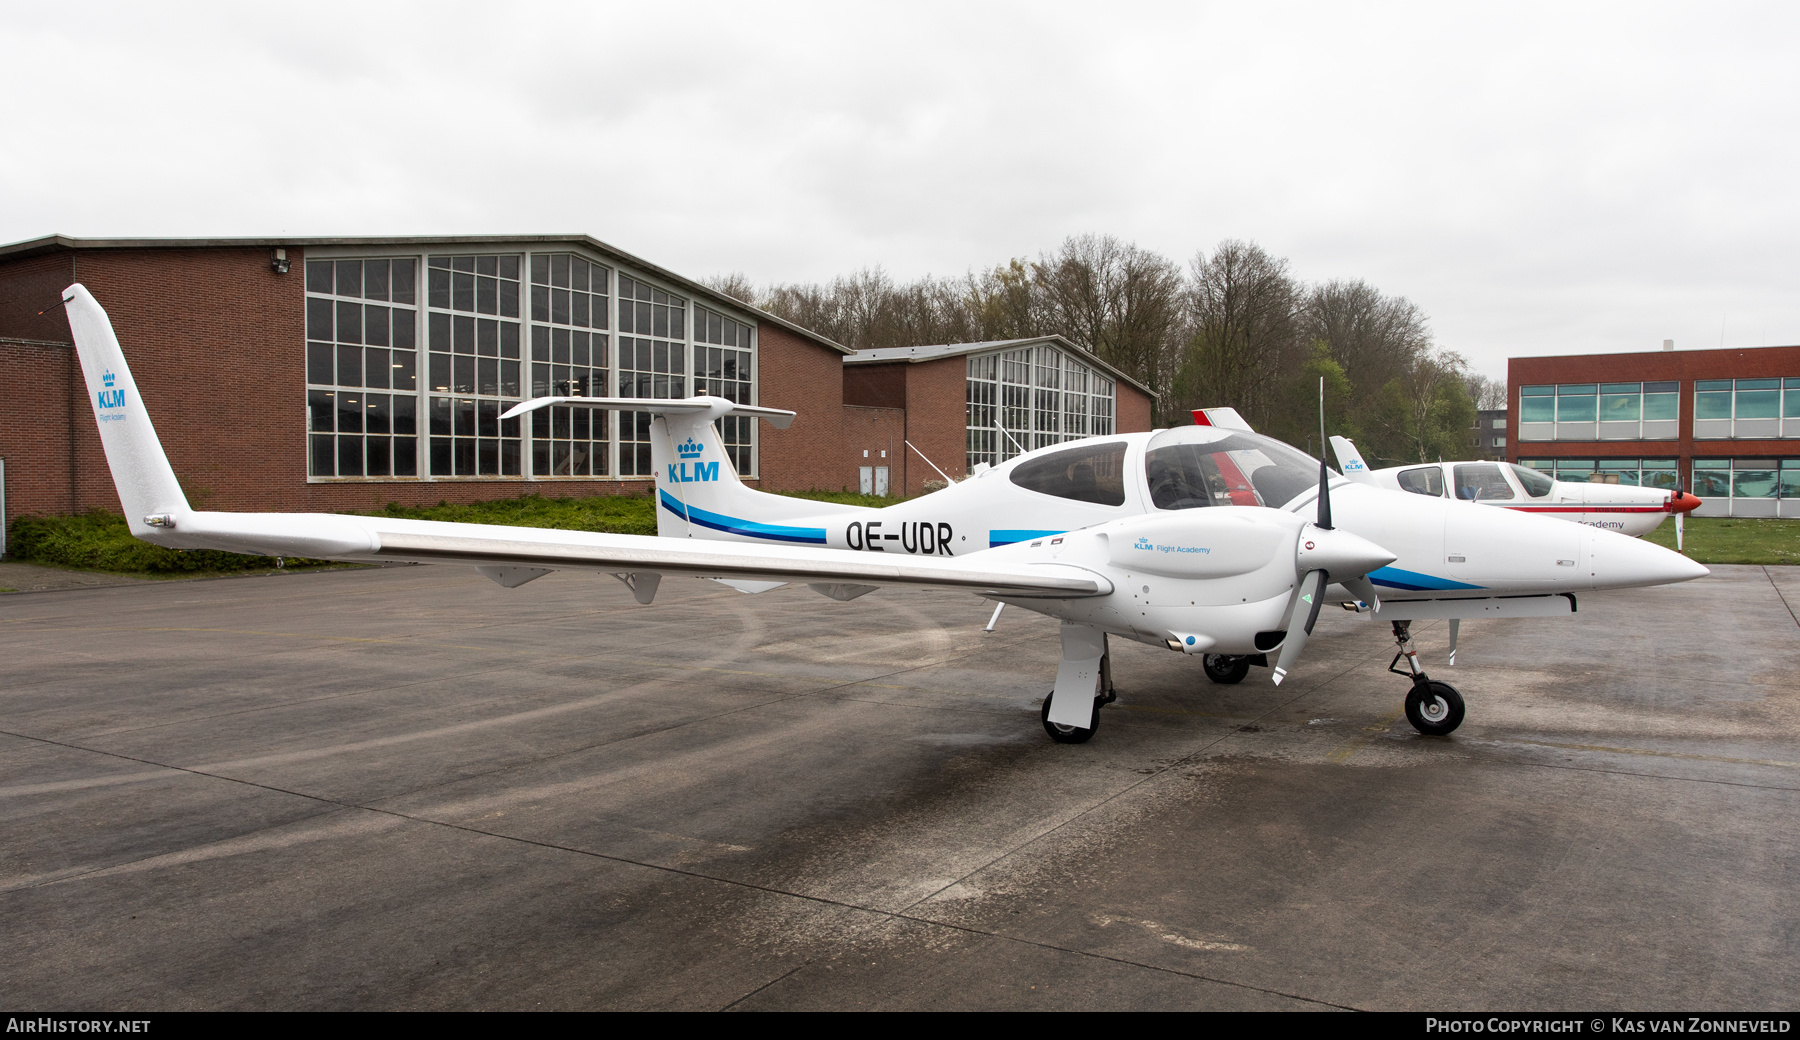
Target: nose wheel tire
1434,708
1226,668
1070,734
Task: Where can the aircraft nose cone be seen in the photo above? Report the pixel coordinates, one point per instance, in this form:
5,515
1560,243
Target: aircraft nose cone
1684,503
1617,561
1339,553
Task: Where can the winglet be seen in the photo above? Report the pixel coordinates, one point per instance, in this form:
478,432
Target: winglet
148,490
1350,461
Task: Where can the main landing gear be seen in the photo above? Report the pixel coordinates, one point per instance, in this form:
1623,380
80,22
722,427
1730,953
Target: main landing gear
1106,695
1434,708
1226,669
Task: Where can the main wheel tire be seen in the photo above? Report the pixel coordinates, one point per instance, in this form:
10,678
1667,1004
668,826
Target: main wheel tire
1069,734
1435,708
1226,668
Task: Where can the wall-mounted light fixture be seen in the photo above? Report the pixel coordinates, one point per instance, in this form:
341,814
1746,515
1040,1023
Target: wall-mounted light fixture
279,261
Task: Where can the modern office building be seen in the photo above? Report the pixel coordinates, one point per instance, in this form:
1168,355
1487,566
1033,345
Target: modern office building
1725,424
346,373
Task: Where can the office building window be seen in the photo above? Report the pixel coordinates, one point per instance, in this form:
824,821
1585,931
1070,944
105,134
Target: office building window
1635,472
1598,411
1746,409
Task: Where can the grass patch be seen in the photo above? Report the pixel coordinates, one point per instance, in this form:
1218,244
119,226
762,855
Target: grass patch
613,514
1734,539
100,541
842,498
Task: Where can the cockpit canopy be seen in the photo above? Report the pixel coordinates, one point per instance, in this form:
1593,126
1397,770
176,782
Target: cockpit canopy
1192,466
1184,468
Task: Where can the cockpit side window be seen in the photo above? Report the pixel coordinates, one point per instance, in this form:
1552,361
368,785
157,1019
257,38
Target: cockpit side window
1536,484
1091,473
1426,480
1481,482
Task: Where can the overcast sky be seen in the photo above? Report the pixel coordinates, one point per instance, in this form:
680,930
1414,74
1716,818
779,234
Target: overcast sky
1541,180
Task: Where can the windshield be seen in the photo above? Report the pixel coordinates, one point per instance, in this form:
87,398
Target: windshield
1536,484
1193,466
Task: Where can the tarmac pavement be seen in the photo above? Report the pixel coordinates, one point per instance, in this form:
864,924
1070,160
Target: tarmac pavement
411,788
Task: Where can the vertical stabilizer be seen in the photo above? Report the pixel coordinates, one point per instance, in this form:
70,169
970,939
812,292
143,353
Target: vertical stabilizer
1350,461
699,495
147,486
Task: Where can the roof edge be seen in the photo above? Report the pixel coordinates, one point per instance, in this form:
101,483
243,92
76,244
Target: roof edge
51,243
1007,344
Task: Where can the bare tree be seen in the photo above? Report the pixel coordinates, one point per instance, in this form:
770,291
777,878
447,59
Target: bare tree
736,285
1485,391
1375,338
1004,303
1245,334
1121,301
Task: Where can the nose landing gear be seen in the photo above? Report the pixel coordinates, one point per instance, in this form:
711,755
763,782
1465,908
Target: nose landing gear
1434,708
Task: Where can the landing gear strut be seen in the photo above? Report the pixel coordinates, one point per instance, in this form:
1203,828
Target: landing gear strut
1106,695
1434,708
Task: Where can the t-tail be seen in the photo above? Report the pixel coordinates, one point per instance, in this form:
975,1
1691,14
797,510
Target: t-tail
698,493
148,491
1350,461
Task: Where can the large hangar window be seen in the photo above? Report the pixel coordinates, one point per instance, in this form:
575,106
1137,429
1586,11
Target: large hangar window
569,355
1033,397
722,368
361,368
473,318
411,360
652,345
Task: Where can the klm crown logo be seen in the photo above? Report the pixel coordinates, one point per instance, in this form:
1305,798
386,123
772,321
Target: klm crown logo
690,449
111,397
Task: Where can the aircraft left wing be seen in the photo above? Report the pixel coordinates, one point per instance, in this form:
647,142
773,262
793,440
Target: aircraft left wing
507,553
158,511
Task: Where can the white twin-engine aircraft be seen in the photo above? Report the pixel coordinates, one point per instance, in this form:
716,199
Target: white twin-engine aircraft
1624,508
1108,535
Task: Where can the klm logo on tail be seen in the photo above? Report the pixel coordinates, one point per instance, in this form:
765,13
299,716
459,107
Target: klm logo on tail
111,397
703,471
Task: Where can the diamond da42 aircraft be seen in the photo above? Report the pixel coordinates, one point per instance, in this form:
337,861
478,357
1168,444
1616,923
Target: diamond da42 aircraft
1119,535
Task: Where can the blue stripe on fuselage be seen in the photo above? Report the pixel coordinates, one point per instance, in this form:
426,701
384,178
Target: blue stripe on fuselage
999,538
748,528
1413,581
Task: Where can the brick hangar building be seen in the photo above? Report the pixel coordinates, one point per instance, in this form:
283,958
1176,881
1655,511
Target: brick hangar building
346,373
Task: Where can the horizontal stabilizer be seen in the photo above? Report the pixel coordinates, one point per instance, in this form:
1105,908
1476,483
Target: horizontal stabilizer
710,407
